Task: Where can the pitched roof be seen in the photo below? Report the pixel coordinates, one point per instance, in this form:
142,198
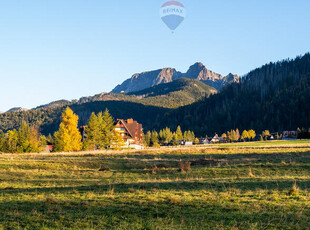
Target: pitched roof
132,127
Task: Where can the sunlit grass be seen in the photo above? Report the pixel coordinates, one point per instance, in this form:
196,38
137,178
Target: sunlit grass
233,186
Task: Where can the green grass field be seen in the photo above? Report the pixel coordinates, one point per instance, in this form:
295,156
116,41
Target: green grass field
242,186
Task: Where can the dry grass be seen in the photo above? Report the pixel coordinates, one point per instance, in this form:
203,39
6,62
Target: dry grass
224,187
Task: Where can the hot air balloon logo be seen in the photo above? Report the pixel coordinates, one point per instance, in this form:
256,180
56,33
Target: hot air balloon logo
172,13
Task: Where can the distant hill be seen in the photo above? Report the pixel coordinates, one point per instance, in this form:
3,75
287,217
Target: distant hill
49,119
171,95
197,71
16,109
55,104
144,106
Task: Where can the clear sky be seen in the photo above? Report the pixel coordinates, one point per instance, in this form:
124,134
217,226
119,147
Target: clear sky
66,49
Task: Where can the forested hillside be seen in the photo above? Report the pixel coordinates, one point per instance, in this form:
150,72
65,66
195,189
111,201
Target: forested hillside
275,96
49,119
169,95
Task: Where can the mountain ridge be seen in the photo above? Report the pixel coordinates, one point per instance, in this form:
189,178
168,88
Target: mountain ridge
198,71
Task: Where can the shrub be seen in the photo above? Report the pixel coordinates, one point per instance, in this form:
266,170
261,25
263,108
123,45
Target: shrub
185,166
294,191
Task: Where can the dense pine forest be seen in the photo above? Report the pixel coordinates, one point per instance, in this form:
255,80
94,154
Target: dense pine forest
274,97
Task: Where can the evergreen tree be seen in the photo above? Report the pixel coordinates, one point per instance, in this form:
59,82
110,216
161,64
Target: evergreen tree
68,138
92,133
100,133
107,129
147,139
179,134
12,141
165,136
185,136
154,139
3,142
174,141
28,139
189,136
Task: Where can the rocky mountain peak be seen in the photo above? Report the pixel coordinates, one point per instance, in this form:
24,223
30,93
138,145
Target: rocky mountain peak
198,71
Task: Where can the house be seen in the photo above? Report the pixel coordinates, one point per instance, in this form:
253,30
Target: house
215,139
204,141
131,131
289,135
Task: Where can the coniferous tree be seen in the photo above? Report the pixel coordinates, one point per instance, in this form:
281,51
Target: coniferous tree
3,142
147,139
28,139
107,128
154,139
68,137
175,140
92,133
12,141
189,136
179,134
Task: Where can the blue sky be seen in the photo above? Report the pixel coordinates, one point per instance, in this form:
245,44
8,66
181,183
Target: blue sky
66,49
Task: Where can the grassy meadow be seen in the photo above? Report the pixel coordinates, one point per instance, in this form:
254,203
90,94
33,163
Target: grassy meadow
242,186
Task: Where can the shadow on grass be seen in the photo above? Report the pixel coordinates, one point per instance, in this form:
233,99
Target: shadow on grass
144,213
244,185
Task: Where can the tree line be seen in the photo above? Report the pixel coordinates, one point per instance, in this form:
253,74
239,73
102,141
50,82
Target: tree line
99,134
247,135
168,137
26,139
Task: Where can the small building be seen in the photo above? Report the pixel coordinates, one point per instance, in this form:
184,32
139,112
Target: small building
131,131
204,141
215,139
289,135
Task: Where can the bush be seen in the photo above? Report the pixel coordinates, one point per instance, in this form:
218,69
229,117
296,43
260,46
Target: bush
185,166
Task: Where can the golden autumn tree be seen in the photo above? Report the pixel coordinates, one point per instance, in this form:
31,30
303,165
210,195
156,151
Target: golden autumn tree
68,138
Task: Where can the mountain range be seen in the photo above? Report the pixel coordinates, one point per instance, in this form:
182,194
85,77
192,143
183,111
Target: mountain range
197,71
132,89
275,96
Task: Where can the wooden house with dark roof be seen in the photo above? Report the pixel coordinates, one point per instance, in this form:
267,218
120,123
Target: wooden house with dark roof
131,131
